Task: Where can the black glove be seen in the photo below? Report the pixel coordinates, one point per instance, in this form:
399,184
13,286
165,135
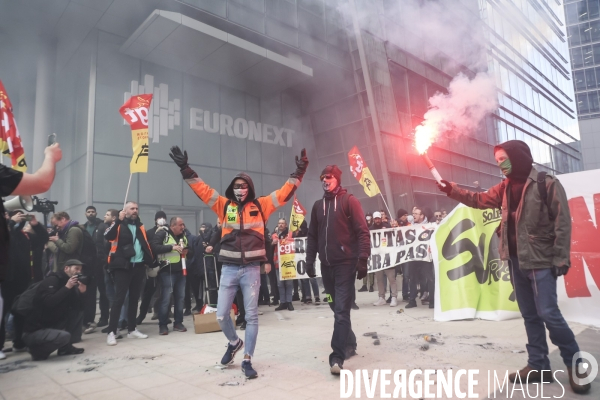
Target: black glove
301,165
559,271
181,159
361,268
447,188
310,270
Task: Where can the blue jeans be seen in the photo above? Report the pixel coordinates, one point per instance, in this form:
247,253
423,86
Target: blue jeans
247,278
536,295
286,289
306,285
171,282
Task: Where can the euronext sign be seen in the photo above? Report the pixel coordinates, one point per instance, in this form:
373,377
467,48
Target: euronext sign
204,120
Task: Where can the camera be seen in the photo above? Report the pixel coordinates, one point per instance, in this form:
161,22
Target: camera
82,278
44,206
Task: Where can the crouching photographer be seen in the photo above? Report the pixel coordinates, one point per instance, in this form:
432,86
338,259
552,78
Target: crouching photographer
53,311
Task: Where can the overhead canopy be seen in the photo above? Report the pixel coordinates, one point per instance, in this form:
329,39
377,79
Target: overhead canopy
187,45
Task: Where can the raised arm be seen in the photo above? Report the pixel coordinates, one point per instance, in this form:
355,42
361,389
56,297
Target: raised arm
41,180
490,199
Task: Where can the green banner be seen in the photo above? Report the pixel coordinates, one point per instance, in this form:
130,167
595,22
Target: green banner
471,280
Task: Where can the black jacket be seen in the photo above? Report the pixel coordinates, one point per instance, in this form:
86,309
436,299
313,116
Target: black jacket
159,248
52,303
25,250
339,236
102,245
126,238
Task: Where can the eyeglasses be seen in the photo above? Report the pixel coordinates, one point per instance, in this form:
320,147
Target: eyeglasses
438,216
327,176
240,186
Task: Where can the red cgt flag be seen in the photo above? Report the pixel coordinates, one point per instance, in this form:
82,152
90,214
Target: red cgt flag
10,140
136,112
361,172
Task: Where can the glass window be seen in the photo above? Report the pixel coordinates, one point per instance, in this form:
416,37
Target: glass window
573,34
585,33
577,57
593,101
582,103
594,8
597,74
579,78
588,57
596,52
595,25
582,11
590,78
400,87
571,11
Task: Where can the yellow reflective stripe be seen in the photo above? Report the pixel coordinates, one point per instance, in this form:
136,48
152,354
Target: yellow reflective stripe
231,226
255,253
231,254
192,181
213,199
274,199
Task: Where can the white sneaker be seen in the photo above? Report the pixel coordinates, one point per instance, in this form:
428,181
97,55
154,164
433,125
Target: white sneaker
393,302
89,328
111,340
136,335
380,302
2,355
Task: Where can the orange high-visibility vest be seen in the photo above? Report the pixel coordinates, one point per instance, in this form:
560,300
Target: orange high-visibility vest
115,243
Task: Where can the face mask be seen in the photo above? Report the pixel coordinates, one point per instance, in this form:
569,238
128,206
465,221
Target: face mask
506,167
161,222
329,186
240,194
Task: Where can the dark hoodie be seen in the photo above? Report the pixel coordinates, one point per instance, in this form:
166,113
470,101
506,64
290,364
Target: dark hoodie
521,161
251,193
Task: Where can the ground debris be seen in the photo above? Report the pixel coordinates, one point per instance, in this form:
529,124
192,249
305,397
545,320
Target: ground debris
377,342
425,347
14,366
230,383
518,351
370,334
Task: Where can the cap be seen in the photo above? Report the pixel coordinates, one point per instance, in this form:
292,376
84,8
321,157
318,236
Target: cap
376,214
160,214
72,261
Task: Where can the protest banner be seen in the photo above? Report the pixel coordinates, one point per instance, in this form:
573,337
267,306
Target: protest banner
389,247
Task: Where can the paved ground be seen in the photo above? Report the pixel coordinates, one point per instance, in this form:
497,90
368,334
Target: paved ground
291,358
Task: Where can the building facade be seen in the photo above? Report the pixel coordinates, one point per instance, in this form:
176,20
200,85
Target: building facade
244,85
583,29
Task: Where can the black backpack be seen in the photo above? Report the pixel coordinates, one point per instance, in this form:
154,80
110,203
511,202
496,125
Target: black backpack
23,303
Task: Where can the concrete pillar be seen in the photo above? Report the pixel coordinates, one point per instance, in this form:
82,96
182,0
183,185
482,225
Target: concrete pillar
44,92
25,117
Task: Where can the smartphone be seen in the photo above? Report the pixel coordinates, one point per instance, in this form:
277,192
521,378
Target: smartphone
51,139
28,217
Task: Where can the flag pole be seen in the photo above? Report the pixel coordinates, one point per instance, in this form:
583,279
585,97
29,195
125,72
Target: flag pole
386,206
127,192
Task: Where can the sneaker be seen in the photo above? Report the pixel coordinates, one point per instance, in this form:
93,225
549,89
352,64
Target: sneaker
282,306
101,323
187,313
309,301
363,288
354,306
389,299
2,355
179,328
317,301
274,303
135,334
19,350
69,350
411,304
371,288
89,327
111,340
163,330
380,302
230,353
336,367
394,302
248,370
243,326
290,306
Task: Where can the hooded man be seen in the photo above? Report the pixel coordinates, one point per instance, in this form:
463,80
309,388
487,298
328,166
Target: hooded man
338,232
535,239
242,245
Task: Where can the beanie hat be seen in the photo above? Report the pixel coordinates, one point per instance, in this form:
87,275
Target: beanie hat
160,214
401,212
333,170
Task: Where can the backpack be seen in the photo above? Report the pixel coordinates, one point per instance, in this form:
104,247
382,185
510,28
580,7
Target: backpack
88,254
543,190
23,303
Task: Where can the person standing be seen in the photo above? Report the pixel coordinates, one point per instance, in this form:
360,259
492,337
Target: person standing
338,232
389,273
535,239
286,286
171,245
242,245
419,271
129,256
102,247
